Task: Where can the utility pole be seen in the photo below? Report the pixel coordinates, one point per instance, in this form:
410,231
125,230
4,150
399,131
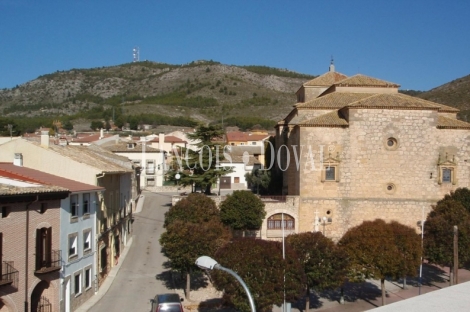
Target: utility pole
456,255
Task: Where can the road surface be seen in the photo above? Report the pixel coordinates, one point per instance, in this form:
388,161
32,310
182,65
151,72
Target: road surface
142,274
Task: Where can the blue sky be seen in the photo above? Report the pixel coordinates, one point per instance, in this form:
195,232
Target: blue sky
418,44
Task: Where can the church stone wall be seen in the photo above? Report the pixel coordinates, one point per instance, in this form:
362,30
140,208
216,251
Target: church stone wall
397,182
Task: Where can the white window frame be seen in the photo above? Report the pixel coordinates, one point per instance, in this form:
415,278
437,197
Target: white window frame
87,239
73,243
86,203
74,206
79,275
87,273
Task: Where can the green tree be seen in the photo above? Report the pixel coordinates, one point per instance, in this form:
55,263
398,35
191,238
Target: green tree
242,210
372,249
68,125
325,265
183,242
461,195
261,266
196,208
438,233
96,124
202,167
259,178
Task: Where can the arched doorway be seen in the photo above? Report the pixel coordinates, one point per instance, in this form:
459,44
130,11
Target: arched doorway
39,302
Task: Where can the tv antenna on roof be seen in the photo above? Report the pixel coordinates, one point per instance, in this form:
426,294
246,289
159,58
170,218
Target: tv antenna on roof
135,54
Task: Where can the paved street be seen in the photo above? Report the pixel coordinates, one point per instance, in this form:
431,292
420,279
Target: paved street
139,277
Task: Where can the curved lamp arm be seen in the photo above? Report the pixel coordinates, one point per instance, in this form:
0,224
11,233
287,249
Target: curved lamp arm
250,298
207,263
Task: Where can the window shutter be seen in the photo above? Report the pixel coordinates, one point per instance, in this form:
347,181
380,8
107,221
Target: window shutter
48,248
39,256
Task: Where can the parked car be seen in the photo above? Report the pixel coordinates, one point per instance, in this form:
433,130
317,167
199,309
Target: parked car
167,303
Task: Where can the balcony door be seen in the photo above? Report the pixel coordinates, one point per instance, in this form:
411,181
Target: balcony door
43,248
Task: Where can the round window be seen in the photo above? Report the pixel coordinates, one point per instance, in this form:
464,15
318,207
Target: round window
391,143
391,188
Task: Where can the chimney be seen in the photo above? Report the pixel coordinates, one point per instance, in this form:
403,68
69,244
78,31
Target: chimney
45,139
18,160
161,140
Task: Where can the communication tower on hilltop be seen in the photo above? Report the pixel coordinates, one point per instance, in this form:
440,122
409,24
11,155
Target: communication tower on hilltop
135,54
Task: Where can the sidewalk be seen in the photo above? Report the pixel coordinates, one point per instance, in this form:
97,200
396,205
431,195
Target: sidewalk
107,282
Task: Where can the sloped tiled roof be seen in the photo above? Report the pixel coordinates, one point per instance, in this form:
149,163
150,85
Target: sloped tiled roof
237,136
32,175
332,119
325,80
450,123
93,156
6,189
365,81
334,100
169,139
89,137
122,148
251,160
399,101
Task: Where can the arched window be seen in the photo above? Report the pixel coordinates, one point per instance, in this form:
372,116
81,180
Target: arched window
275,222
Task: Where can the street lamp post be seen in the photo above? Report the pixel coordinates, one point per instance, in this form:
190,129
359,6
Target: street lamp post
421,265
207,263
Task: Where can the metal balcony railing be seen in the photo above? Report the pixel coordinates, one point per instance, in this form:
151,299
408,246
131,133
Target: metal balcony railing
49,263
8,274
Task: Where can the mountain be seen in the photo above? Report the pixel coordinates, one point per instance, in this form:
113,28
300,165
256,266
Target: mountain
203,90
455,93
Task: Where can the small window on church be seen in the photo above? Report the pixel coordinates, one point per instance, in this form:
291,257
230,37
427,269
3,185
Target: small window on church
447,175
330,173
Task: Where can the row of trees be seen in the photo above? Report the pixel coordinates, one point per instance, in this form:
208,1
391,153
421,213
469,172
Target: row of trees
195,227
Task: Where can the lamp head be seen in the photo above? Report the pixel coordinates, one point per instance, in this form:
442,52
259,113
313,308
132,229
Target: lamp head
206,263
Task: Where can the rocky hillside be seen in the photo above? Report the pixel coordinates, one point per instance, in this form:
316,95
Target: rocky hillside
455,93
203,90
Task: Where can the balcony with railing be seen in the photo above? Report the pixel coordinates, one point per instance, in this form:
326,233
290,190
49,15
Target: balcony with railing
8,275
49,262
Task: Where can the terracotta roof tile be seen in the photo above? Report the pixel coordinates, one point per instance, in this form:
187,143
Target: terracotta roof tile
6,189
237,136
32,175
169,139
334,100
365,81
326,80
333,119
399,101
450,123
93,156
123,148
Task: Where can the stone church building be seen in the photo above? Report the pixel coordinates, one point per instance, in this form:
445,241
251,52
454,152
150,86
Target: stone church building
355,149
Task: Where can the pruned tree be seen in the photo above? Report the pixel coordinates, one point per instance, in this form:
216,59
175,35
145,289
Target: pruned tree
462,195
373,251
242,210
196,208
260,264
183,242
438,233
325,265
